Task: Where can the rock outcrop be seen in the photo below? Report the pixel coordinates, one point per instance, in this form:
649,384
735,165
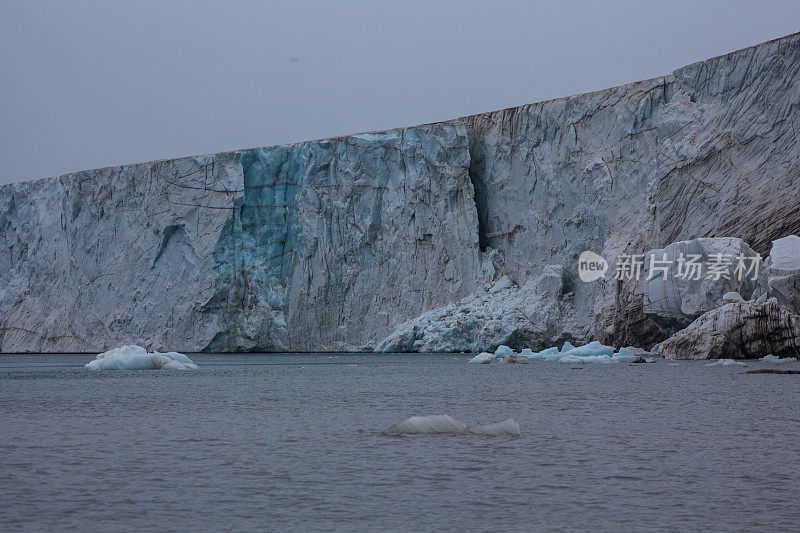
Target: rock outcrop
333,244
744,330
689,278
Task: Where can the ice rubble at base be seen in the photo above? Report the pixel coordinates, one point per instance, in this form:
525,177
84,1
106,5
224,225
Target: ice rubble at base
594,352
136,358
446,424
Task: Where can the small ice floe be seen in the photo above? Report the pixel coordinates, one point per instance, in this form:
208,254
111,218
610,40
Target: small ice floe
769,358
594,352
136,358
483,358
446,424
726,362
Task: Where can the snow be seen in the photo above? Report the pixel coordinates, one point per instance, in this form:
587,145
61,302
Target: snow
446,424
726,362
135,357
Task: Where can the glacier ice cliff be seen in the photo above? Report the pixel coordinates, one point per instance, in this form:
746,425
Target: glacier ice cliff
335,244
674,302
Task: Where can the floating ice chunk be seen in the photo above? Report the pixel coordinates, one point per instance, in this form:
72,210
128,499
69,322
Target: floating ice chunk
431,424
602,359
136,358
624,352
175,356
122,358
503,351
775,359
446,424
530,354
515,358
506,427
567,347
483,358
593,348
726,362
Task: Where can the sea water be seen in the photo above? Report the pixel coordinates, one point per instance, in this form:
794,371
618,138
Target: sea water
298,442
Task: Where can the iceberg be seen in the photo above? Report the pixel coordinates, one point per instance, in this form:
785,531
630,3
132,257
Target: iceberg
446,424
502,351
594,352
483,358
515,358
135,357
769,358
594,348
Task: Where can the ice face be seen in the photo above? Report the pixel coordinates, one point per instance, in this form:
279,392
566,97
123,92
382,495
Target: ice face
135,357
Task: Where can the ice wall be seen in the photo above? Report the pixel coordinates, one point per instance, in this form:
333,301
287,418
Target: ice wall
331,244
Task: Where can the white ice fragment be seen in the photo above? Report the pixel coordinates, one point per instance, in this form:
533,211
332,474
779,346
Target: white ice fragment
483,358
593,348
135,357
527,352
769,358
506,427
567,347
445,424
515,358
430,424
624,352
726,362
503,351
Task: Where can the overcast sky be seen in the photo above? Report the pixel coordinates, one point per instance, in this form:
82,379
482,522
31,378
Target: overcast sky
86,84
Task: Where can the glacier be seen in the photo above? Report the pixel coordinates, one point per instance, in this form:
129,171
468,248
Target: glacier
341,244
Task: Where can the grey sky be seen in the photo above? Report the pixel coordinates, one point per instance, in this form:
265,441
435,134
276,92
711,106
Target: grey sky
86,84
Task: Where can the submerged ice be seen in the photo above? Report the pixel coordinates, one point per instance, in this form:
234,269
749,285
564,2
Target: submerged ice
137,358
446,424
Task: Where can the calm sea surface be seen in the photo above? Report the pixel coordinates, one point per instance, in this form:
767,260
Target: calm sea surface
295,442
